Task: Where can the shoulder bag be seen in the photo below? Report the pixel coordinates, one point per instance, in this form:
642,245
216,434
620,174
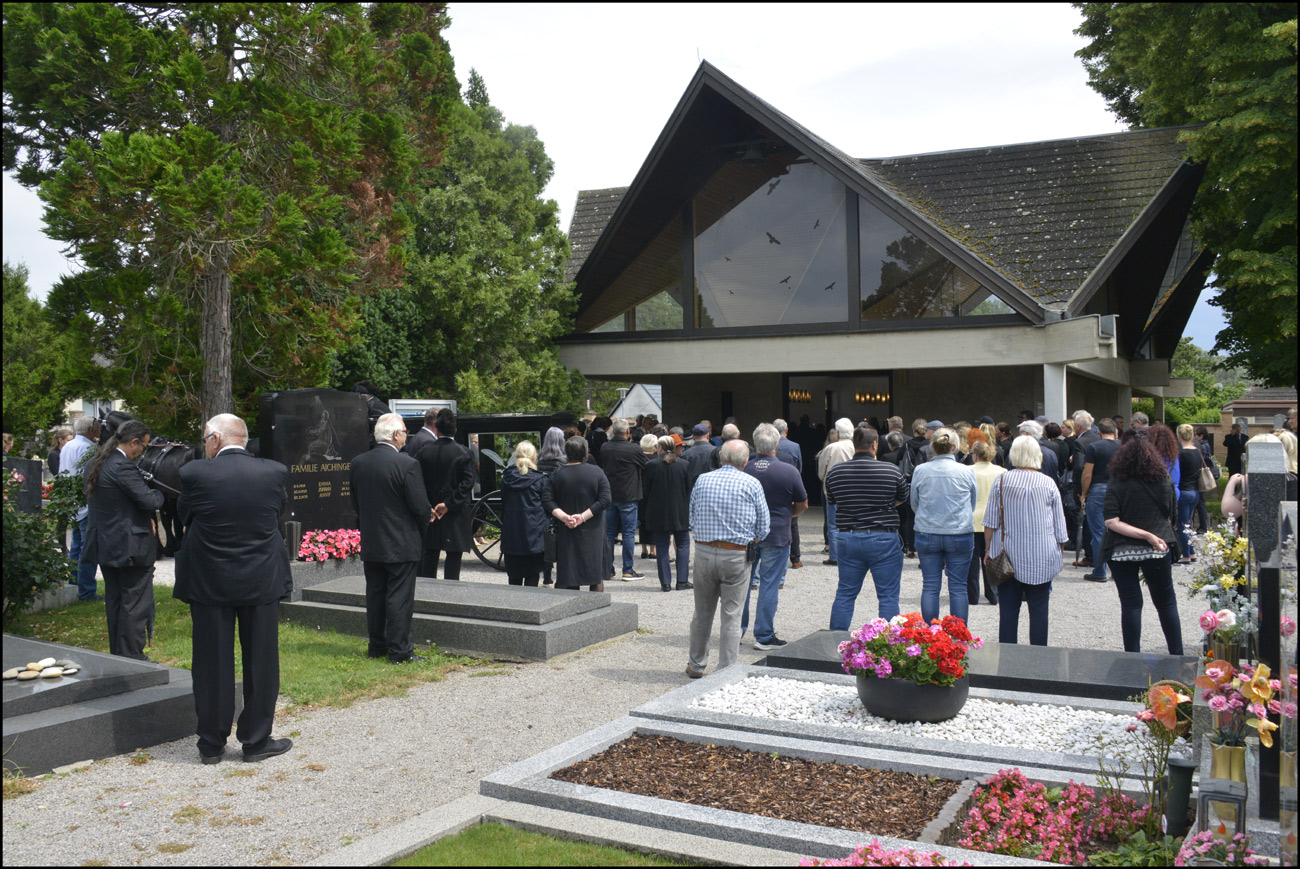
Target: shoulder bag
1207,480
1000,569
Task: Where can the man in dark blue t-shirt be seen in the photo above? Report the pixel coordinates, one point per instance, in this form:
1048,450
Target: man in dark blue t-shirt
786,499
1092,488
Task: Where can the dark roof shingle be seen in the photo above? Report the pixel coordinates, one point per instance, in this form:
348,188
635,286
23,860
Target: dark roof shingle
591,215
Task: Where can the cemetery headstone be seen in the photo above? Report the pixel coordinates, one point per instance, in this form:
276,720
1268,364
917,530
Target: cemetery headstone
315,433
29,490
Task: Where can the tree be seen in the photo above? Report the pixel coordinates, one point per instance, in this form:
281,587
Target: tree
1230,68
228,174
35,383
484,295
1215,384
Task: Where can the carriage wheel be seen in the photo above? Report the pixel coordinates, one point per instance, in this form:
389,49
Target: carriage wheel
487,530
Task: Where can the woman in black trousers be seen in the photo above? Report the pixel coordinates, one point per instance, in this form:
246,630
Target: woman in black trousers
667,483
1140,508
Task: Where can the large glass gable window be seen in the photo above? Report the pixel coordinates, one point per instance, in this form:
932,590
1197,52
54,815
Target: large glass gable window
771,245
904,278
649,289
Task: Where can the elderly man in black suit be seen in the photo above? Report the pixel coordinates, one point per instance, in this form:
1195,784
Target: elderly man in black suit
389,497
233,567
449,478
120,537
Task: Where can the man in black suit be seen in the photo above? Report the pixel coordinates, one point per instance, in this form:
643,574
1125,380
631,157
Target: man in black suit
425,436
120,537
233,566
388,495
449,477
1235,444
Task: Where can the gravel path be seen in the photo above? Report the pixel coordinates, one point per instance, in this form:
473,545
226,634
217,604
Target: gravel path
355,771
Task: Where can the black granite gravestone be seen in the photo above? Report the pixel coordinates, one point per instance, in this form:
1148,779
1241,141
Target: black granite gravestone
29,490
316,433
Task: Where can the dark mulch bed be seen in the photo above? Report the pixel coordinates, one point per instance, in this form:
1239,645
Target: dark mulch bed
858,798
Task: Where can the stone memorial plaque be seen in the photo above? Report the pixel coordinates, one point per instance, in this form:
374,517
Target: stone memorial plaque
29,490
315,433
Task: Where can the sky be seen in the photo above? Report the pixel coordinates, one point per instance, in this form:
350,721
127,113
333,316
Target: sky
599,81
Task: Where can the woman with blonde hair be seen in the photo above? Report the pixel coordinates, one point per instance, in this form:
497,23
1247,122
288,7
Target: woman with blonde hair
1025,518
982,455
523,520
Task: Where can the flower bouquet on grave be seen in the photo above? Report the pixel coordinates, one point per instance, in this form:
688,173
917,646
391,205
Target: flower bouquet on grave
324,545
1205,848
1229,629
1221,562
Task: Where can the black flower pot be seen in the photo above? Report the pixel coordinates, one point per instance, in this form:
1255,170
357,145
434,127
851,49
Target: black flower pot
905,701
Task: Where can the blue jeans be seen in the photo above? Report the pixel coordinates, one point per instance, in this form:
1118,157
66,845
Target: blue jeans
1187,500
682,539
1097,525
880,552
831,531
940,553
1010,594
85,572
773,561
621,513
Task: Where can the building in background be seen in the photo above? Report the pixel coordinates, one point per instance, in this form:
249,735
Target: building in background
753,269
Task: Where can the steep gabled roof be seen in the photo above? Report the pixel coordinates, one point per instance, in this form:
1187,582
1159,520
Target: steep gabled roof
1044,214
1041,224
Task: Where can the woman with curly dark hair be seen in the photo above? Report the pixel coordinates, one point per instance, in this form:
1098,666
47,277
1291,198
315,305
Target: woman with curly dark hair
1162,438
1139,511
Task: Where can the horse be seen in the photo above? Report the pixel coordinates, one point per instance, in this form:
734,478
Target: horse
161,465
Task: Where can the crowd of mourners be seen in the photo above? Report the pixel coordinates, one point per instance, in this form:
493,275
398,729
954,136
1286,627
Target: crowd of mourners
1124,498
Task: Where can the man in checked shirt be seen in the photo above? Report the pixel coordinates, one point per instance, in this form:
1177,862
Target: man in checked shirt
728,511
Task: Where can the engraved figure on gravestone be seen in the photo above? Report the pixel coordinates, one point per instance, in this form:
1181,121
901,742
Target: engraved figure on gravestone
324,442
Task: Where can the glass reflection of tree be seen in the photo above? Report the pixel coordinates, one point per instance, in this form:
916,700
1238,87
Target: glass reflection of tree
915,282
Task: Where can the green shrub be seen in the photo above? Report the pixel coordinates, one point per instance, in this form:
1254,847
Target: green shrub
33,560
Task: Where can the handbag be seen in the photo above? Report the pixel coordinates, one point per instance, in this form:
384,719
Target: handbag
1206,480
1000,569
1136,552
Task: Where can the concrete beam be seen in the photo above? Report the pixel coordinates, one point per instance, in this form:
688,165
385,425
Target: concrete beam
1066,341
1149,372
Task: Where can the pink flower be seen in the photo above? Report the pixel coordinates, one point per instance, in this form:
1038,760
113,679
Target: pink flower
1288,626
1209,621
1226,619
1218,703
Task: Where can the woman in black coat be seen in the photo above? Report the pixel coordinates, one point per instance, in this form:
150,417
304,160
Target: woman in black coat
578,497
524,519
550,460
1140,508
667,485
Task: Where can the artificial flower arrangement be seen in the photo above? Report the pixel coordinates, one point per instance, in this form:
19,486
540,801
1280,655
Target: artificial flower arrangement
875,854
905,647
324,545
1233,695
1233,624
1221,562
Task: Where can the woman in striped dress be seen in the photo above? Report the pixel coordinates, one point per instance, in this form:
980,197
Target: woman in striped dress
1024,507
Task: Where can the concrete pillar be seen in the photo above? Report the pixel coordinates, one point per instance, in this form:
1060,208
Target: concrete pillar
1124,403
1159,408
1054,391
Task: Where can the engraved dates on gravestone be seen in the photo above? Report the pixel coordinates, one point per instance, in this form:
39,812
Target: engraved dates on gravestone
316,433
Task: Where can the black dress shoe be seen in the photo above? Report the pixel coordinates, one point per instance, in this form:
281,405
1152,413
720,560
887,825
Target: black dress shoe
684,586
410,659
271,749
665,588
209,759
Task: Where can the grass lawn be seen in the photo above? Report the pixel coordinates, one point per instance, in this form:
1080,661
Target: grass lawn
317,668
494,844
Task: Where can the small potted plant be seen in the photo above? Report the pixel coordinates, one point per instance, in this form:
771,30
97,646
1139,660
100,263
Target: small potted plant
908,670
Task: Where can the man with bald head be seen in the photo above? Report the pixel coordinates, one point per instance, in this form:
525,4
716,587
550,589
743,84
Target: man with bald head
233,568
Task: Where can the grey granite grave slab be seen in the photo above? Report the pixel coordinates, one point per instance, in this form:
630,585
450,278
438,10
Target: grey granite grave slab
493,639
1091,673
528,782
129,705
676,706
100,675
471,600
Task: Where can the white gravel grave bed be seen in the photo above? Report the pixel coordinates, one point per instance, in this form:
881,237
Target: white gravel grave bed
1012,725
